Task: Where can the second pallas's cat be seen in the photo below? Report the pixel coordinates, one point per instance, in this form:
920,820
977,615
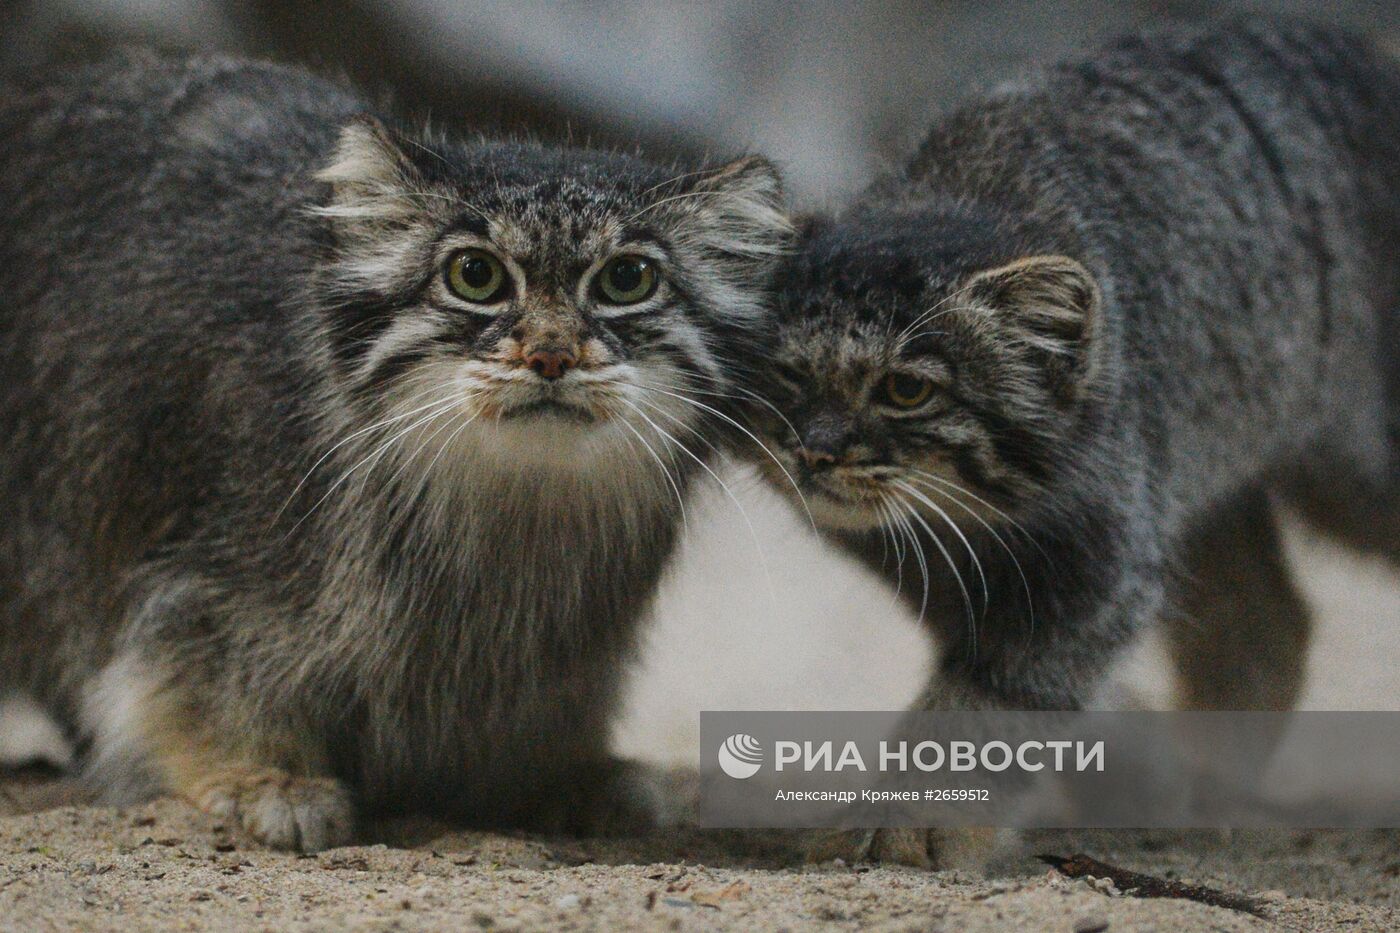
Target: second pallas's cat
1063,354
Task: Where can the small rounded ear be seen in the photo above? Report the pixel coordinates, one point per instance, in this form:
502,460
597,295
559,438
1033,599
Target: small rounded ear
746,172
742,207
369,173
1050,304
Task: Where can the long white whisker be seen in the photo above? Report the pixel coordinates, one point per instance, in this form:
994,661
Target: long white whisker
925,315
672,418
422,423
948,520
668,199
907,337
957,575
426,441
447,442
446,197
361,431
674,180
926,333
897,539
719,414
992,508
680,499
918,554
744,392
378,452
753,533
1025,583
884,531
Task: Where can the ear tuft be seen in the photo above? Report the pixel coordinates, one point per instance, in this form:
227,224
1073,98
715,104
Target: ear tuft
1051,305
369,175
742,207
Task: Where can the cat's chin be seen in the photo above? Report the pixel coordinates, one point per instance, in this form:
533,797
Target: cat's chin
832,514
550,412
549,440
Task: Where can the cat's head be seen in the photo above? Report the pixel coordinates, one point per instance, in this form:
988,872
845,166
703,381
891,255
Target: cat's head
924,359
545,304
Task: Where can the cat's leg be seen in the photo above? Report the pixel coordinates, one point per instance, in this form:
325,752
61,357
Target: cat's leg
614,798
1350,487
1238,631
1237,627
1359,513
155,731
577,787
164,716
1059,611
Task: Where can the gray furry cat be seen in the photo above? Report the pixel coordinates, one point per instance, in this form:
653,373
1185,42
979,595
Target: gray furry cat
341,463
1066,353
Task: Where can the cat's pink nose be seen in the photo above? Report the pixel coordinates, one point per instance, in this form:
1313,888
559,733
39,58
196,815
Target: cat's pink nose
550,364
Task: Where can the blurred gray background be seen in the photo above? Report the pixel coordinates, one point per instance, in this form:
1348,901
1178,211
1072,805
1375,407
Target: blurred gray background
833,91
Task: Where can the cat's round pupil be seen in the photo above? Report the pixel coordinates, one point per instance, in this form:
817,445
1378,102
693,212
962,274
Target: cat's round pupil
477,272
477,276
907,391
627,275
908,386
627,280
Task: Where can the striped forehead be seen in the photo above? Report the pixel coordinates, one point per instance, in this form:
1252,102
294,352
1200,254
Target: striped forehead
546,234
559,198
842,355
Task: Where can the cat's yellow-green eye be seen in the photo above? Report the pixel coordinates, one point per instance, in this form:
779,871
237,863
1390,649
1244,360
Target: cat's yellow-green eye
905,391
627,280
475,275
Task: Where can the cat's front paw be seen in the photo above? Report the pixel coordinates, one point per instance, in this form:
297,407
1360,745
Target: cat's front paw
281,811
968,848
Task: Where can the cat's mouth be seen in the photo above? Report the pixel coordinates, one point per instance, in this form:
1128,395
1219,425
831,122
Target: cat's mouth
864,498
844,502
551,407
563,401
848,489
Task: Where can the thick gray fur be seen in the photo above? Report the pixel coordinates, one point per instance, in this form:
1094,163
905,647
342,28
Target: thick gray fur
1214,316
220,290
1231,199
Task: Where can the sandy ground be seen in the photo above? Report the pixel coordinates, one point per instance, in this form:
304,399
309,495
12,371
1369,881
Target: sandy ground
165,866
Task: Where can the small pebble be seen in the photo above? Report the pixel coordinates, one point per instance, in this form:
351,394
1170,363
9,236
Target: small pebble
1090,925
568,902
1103,886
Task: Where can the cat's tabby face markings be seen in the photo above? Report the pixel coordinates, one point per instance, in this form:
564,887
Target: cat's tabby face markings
920,367
557,296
